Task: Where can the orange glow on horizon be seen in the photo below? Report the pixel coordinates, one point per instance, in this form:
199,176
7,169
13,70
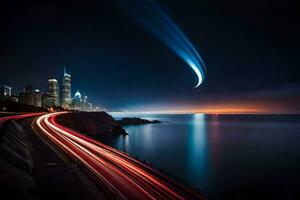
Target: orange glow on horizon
237,108
232,109
265,106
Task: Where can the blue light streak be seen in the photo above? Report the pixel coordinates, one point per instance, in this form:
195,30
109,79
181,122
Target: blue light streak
151,16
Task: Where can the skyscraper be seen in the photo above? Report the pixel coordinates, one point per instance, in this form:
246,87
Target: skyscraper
37,98
54,90
66,94
85,104
47,100
27,97
78,101
5,92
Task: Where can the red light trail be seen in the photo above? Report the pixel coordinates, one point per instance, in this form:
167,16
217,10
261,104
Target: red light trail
16,117
124,176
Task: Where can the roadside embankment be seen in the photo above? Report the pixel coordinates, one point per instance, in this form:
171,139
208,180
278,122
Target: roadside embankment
16,181
31,168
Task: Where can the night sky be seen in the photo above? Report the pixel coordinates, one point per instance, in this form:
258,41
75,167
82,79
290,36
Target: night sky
251,49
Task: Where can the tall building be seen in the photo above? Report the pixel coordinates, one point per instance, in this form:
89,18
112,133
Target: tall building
37,98
66,93
5,92
48,100
77,101
54,90
27,97
85,104
90,106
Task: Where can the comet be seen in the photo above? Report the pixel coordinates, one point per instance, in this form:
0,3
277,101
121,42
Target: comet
156,21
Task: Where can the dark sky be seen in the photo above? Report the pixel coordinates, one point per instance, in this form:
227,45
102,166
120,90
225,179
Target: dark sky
251,49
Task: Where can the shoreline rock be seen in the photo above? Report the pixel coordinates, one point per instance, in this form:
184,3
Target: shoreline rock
91,123
136,121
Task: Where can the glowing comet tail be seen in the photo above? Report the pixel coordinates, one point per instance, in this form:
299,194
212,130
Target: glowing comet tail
157,22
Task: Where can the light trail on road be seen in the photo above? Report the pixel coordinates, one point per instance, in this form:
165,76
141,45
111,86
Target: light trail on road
16,117
123,175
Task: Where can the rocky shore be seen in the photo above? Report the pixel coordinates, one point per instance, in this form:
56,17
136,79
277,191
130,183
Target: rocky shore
91,123
136,121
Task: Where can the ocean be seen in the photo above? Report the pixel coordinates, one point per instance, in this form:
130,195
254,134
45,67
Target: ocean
223,156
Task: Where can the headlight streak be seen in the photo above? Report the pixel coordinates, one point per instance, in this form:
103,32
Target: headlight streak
20,116
76,156
107,166
152,17
69,137
102,152
122,173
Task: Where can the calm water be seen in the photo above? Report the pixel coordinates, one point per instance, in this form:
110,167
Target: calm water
225,156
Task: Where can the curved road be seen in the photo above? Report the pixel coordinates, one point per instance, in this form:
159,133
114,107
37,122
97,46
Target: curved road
124,176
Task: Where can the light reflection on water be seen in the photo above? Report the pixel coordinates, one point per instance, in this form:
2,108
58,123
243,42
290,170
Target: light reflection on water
221,155
197,150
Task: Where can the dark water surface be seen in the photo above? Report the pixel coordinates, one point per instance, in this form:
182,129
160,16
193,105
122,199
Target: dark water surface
225,156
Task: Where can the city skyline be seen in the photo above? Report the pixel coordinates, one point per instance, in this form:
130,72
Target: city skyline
54,96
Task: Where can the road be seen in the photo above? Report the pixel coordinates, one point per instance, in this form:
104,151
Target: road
17,117
32,169
124,177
